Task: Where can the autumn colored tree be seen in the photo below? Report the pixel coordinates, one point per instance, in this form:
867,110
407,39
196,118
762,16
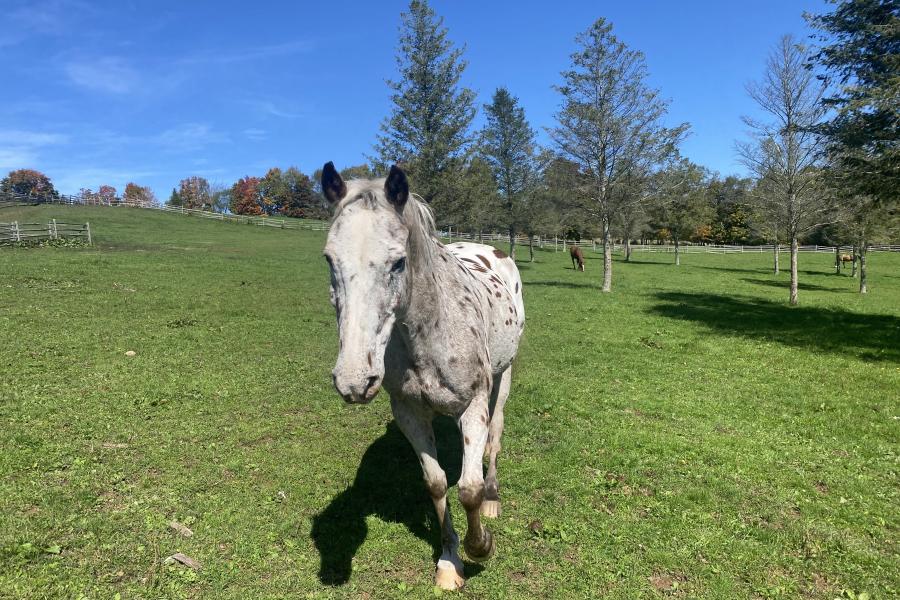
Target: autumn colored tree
106,194
136,195
36,186
300,201
245,197
194,192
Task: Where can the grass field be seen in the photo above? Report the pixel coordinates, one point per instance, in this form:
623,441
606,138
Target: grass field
688,435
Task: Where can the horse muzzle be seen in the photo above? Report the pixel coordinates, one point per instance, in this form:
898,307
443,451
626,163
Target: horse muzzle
356,391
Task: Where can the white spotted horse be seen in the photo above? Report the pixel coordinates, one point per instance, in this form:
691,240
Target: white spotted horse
437,326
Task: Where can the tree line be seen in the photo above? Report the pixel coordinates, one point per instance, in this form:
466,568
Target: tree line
824,159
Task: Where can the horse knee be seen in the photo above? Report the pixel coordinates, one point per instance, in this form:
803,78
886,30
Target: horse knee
471,495
437,486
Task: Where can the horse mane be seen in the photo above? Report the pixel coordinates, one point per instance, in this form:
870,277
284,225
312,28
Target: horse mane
416,216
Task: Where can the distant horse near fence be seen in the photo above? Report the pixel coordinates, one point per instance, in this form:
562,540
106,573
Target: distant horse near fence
577,258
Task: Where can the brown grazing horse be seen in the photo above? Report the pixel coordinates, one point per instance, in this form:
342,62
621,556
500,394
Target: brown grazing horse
577,257
845,258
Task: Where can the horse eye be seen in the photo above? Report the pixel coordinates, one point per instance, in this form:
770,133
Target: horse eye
399,266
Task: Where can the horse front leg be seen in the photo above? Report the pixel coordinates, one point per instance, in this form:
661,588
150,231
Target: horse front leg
415,423
473,424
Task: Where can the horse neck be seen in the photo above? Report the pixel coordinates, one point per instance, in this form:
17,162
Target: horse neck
426,309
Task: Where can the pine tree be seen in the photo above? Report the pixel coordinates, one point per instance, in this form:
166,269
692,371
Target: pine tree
428,129
507,143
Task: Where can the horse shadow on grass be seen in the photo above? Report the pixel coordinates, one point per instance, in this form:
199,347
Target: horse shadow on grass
389,485
869,337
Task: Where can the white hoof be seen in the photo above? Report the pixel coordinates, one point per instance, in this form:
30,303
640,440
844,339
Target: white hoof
490,508
448,579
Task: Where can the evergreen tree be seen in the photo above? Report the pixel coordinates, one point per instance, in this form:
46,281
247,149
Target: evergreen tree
428,129
861,56
175,199
507,143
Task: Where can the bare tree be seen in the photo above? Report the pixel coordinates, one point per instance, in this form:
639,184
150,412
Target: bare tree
784,152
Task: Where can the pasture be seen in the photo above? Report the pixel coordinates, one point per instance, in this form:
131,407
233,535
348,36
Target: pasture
688,435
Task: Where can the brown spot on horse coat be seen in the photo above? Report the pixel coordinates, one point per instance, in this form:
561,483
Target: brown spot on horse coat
486,262
369,358
497,294
466,439
499,253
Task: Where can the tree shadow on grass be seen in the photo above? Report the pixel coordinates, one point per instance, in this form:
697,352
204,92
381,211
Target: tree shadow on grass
786,284
564,284
870,337
388,485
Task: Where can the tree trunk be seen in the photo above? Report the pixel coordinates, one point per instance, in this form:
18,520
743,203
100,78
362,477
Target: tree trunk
794,271
677,255
863,289
607,257
512,243
777,250
627,250
837,260
530,248
855,256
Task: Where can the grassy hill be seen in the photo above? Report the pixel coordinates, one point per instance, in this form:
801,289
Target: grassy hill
688,435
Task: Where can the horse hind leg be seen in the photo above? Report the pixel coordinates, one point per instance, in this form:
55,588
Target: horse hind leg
490,507
415,423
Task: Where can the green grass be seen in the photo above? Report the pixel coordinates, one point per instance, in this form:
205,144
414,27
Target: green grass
688,435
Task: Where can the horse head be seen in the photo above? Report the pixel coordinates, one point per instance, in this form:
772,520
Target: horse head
366,253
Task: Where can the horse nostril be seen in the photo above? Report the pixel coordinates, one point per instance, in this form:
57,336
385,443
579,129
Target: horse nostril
370,383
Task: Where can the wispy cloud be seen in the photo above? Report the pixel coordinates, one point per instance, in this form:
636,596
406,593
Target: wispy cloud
19,148
107,74
255,135
50,17
189,137
248,54
269,108
16,158
18,137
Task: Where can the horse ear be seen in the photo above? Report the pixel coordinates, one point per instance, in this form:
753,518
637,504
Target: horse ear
396,187
333,186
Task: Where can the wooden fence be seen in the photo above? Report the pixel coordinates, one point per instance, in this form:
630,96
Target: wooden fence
54,230
450,234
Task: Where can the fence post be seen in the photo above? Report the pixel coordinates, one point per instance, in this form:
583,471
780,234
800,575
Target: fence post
55,230
87,226
16,234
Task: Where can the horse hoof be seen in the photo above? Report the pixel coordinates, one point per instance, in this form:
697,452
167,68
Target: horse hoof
485,551
490,508
448,579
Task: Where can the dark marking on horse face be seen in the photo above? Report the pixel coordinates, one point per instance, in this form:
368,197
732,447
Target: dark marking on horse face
452,360
499,253
369,358
497,294
371,264
472,329
483,420
466,440
486,262
517,286
510,309
434,277
444,257
490,303
437,324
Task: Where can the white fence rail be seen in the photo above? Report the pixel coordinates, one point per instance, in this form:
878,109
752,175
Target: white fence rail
450,234
26,232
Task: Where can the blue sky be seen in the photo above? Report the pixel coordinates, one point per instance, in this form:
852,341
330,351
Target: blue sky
154,91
